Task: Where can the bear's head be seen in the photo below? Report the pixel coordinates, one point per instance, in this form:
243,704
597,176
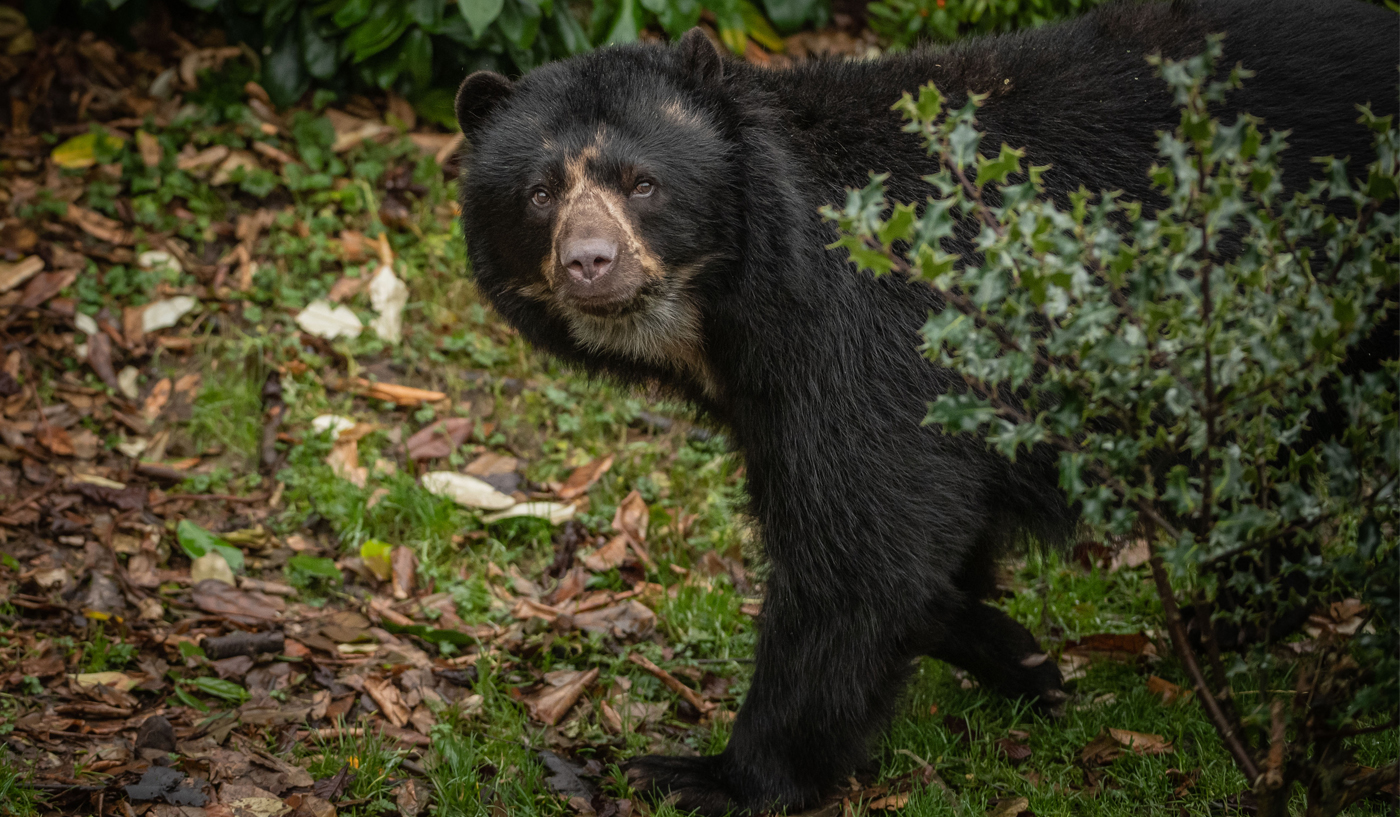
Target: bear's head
597,192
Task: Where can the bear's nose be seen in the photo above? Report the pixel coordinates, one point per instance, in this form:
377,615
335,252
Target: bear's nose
588,259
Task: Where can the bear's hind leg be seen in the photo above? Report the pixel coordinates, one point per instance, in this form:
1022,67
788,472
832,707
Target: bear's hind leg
1001,654
824,683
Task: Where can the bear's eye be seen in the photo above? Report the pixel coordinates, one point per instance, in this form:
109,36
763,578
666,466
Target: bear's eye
643,189
540,197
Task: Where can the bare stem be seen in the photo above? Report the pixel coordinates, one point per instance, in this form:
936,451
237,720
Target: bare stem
1226,726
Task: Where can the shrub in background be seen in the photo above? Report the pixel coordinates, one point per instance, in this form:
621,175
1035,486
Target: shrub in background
423,48
1177,379
905,22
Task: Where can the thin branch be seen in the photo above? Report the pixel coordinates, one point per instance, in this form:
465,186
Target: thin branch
1229,731
1364,785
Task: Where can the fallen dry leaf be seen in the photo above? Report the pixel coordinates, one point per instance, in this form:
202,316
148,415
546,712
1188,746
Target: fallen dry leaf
324,320
890,802
1073,667
386,695
98,226
409,800
405,567
562,691
1112,645
156,400
1102,750
243,606
165,313
211,565
149,146
344,459
1141,743
54,439
1009,807
45,286
235,160
1134,555
608,556
12,275
632,517
1165,689
555,512
631,621
196,160
1015,751
387,296
116,680
466,490
439,439
583,477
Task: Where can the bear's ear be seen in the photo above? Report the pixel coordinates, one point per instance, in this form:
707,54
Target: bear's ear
481,93
700,58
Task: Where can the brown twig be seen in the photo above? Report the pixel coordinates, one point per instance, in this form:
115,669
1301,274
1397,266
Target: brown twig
208,497
1273,766
1362,786
1229,733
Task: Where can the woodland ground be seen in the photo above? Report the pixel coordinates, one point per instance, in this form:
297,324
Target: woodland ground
433,658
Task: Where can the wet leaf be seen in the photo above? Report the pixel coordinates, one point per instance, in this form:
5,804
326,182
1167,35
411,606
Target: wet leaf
197,542
305,565
221,689
1014,751
81,151
163,783
376,555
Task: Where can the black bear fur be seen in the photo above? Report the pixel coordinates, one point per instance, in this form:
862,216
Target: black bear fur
879,532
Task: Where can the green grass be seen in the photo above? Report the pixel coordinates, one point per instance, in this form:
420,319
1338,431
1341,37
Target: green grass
16,799
376,768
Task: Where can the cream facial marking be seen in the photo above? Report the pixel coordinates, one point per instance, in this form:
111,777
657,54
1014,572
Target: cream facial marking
585,200
660,323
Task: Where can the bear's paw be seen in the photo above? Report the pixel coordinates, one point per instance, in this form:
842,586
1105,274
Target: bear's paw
691,784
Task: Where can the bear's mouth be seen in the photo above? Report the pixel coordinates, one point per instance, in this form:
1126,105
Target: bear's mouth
617,301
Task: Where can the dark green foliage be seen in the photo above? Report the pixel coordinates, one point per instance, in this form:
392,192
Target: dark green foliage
905,22
1184,368
422,49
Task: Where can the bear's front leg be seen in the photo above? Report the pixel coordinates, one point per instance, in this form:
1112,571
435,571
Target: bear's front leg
827,673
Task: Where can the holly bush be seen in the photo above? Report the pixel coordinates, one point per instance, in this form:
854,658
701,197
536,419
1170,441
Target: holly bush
1181,363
